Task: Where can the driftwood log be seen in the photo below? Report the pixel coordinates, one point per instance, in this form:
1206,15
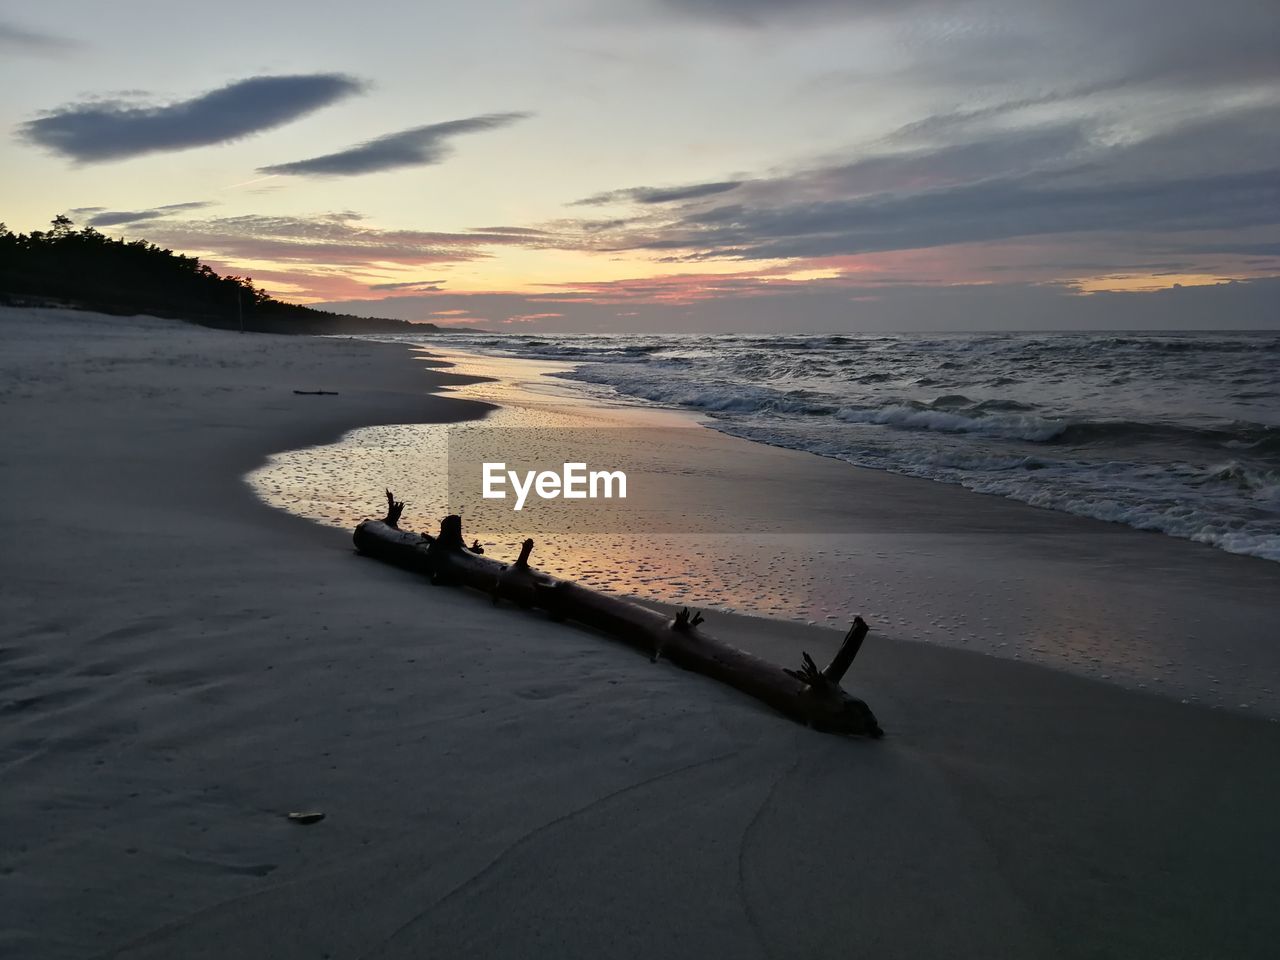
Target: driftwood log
808,695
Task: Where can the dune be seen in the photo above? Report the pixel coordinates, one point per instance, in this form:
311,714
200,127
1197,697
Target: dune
182,667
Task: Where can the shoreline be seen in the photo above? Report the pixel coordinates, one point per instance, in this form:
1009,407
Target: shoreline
922,561
182,669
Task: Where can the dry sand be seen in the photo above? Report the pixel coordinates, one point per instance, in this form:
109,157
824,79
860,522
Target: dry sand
181,667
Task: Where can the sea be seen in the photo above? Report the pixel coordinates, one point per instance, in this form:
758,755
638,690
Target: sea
1172,432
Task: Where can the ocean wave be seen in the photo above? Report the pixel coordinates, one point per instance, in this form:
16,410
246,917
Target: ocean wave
1158,498
699,395
1017,426
1147,507
1192,343
1262,482
1244,435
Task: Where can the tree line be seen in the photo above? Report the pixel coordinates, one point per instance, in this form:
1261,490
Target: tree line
86,269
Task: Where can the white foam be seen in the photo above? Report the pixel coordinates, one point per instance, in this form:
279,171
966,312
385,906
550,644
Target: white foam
1014,426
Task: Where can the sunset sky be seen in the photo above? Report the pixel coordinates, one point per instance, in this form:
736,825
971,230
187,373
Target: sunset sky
673,164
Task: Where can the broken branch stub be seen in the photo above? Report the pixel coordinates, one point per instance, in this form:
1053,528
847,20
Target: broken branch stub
394,509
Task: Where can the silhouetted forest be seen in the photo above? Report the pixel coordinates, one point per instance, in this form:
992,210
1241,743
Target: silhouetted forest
86,269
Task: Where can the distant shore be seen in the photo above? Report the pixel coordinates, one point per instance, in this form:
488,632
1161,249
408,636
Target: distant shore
183,666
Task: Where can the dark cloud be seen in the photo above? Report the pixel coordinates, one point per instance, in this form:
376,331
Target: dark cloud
102,217
659,194
1191,45
761,12
1005,42
991,210
17,40
1216,173
113,129
1265,248
417,286
1223,141
988,155
408,148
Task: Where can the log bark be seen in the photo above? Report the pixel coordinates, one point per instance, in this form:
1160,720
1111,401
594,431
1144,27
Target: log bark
809,695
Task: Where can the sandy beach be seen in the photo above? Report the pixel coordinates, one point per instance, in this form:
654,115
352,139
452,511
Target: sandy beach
182,666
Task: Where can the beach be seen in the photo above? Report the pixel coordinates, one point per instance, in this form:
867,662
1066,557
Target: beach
183,666
719,522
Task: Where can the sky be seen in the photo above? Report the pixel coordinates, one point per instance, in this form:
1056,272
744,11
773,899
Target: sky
666,165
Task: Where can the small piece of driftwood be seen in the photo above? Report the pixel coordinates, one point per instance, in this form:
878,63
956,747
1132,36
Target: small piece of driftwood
808,695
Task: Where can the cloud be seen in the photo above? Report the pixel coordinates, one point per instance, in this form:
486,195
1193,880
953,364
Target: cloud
417,286
985,155
408,148
1266,248
765,12
334,239
1012,42
527,231
94,131
102,217
659,194
19,40
1214,173
991,210
929,128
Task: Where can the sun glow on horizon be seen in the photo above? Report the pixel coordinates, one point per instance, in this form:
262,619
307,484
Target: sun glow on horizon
1148,282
